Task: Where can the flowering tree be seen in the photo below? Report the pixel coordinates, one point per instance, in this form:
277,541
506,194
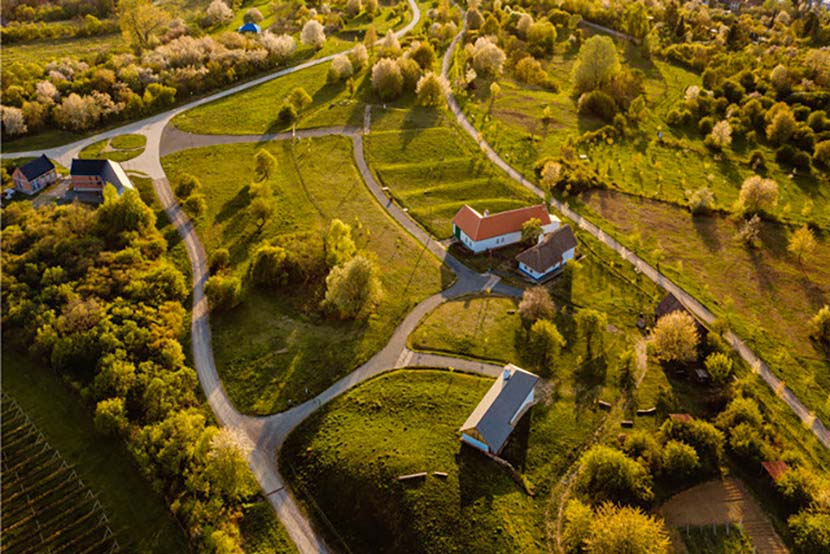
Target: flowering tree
313,34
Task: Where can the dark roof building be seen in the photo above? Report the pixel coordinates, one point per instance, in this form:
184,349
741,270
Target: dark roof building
495,417
549,254
93,176
671,304
33,176
37,167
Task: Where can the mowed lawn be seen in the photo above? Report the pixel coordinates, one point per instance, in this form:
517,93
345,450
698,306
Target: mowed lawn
764,293
137,514
277,348
347,458
432,168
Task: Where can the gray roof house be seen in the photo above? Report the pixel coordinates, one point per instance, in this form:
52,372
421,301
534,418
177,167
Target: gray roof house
495,417
552,252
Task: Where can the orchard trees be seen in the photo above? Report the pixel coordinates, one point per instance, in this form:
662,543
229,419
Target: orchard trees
596,64
313,34
486,57
432,90
802,243
140,20
387,79
757,194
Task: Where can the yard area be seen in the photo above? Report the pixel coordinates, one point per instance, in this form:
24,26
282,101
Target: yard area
764,293
277,349
432,168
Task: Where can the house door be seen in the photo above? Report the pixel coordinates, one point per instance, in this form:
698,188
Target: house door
456,231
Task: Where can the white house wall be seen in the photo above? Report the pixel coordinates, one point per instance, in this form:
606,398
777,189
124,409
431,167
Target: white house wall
522,409
566,257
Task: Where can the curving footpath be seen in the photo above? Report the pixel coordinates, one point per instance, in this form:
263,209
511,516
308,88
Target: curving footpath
690,302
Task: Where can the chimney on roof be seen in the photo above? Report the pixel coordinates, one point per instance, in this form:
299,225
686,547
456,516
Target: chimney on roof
506,374
486,213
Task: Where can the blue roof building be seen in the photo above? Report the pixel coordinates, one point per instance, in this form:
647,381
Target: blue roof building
249,28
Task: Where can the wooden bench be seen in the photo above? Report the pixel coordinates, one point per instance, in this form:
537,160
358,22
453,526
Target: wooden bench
412,476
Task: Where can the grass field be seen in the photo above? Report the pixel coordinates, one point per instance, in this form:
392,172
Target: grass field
433,169
718,540
138,515
82,48
277,349
118,149
347,458
764,294
639,164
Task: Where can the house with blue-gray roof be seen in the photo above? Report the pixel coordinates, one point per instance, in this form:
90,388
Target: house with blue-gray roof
498,413
35,175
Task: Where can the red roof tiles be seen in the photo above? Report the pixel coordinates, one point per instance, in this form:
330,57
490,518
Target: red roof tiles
480,227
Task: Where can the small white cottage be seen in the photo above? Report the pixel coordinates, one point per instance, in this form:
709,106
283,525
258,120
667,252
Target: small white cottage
480,232
495,417
552,252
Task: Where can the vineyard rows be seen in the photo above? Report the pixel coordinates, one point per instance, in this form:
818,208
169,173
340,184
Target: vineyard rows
47,508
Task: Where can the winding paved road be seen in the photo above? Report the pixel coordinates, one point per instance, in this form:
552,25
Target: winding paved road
691,303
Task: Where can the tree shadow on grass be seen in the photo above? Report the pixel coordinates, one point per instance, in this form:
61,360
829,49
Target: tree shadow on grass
480,477
233,206
588,380
515,451
707,229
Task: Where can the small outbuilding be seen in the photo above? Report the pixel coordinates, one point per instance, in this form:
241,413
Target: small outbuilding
249,28
775,469
551,253
495,417
481,232
91,176
35,175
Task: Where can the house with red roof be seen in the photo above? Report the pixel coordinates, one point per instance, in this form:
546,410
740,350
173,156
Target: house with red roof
481,232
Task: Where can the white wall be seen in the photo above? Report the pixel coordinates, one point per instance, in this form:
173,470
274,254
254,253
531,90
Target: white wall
504,240
566,257
528,401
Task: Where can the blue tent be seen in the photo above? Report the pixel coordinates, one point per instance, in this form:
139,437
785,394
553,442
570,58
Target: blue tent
249,28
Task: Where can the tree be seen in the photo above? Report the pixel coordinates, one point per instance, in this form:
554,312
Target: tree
313,34
821,153
705,438
278,46
423,53
223,292
544,342
262,208
542,38
299,99
781,123
268,268
124,213
551,174
354,289
487,58
606,474
596,64
799,487
359,57
675,337
820,325
701,200
636,21
353,8
218,12
371,7
227,468
341,68
370,38
802,243
195,205
253,15
387,79
390,47
719,367
627,529
432,90
591,325
810,531
111,416
720,137
531,230
13,121
625,377
140,20
474,19
219,259
523,24
579,519
536,304
749,232
266,163
340,247
758,194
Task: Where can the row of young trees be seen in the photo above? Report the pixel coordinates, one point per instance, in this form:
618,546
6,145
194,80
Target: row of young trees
91,295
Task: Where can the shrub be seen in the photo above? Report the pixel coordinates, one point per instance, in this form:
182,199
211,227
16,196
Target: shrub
389,47
340,247
798,487
675,337
268,266
578,520
410,72
111,416
606,474
706,125
680,461
679,117
542,38
219,259
432,90
701,200
719,367
599,104
757,194
780,123
629,530
299,98
820,325
552,173
423,53
223,293
354,289
195,205
704,437
802,243
531,230
643,447
530,71
287,113
387,79
341,68
821,154
747,442
313,34
720,137
352,7
536,304
810,532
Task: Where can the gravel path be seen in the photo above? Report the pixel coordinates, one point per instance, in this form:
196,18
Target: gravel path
689,302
